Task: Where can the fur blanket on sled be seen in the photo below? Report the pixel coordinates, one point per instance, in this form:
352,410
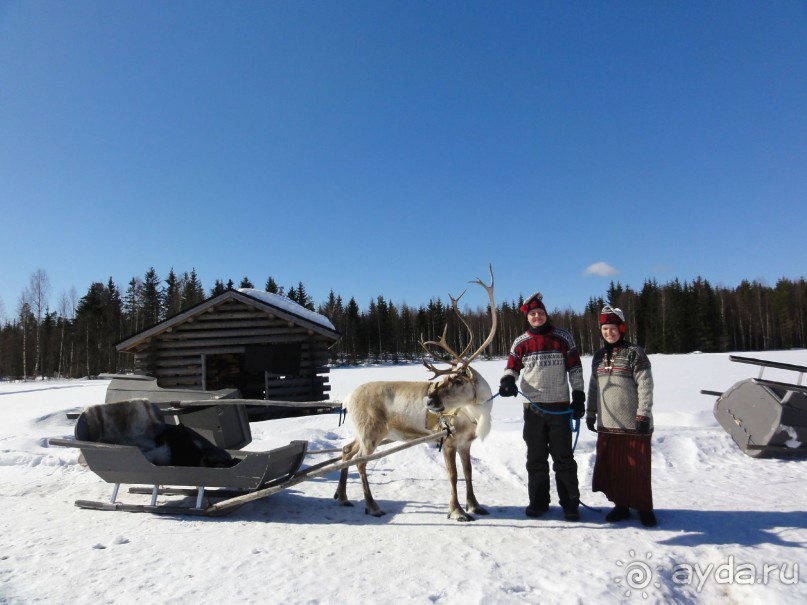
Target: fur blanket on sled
140,423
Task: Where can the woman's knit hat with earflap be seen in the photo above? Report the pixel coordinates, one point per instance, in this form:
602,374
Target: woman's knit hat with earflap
614,316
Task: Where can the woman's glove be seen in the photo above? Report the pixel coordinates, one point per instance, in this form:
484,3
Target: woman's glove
642,425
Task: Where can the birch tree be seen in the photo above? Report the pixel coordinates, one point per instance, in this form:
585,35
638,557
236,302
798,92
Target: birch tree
37,297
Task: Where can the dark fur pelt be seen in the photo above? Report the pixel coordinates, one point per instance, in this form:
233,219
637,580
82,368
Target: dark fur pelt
188,448
140,423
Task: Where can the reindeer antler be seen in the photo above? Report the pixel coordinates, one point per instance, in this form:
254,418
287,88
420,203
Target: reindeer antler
494,316
455,306
458,363
443,344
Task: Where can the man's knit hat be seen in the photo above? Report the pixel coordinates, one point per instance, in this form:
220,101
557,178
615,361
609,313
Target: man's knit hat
535,301
612,315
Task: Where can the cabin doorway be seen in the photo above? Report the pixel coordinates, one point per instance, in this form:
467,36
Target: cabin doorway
250,371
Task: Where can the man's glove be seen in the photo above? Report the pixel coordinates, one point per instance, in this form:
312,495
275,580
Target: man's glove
507,386
591,423
578,404
642,425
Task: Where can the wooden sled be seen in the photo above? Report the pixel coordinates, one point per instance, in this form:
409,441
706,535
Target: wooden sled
765,418
132,460
217,491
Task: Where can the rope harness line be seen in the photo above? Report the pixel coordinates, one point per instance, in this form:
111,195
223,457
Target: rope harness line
574,425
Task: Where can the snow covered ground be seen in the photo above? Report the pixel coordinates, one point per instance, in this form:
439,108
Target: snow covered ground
732,529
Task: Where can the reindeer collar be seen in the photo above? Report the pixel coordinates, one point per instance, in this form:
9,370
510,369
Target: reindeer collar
437,421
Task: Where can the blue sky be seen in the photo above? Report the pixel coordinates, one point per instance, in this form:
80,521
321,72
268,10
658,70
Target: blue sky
397,148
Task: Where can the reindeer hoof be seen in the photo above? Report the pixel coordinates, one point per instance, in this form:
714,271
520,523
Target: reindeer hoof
345,503
460,516
478,510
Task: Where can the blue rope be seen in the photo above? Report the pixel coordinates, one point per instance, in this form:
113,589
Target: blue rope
538,408
576,431
573,424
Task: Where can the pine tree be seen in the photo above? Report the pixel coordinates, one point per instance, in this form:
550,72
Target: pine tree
113,327
192,291
27,322
273,288
90,323
303,298
173,294
132,306
218,288
351,333
151,296
334,311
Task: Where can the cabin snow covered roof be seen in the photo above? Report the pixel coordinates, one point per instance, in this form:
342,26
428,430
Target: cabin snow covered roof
274,304
281,302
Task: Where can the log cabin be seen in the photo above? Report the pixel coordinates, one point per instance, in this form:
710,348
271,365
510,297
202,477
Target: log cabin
263,344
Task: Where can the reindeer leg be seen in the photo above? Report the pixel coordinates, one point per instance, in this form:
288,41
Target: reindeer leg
370,505
450,457
348,452
471,503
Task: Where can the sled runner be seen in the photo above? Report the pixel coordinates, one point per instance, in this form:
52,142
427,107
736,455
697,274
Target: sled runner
766,418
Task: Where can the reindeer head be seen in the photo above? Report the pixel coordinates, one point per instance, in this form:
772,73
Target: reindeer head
459,384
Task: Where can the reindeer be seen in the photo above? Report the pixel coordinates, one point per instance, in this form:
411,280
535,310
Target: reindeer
402,410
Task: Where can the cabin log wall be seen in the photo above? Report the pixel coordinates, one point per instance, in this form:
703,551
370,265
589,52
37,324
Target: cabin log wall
175,356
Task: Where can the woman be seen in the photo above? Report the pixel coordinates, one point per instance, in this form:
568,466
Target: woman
620,401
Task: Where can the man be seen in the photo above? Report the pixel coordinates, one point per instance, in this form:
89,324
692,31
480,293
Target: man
548,361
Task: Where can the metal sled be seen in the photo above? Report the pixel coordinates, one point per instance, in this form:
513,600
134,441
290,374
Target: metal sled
765,418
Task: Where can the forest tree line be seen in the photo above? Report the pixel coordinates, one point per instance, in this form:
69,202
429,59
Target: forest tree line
78,339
